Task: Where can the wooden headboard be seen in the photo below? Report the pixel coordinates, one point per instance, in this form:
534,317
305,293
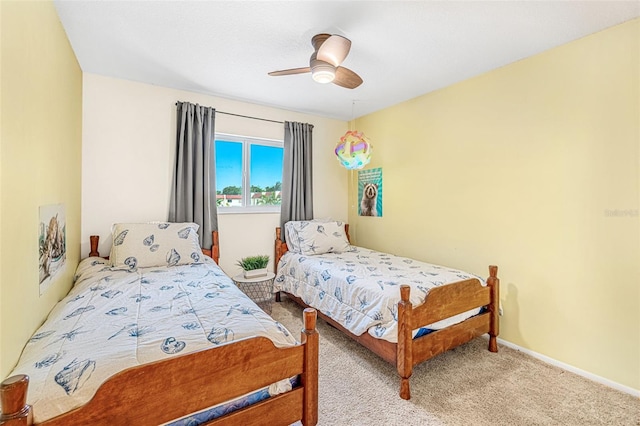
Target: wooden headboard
213,252
281,247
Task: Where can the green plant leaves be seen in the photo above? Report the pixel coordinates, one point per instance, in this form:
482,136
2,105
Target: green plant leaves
253,262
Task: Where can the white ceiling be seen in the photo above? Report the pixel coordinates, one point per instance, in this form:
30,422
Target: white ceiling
401,49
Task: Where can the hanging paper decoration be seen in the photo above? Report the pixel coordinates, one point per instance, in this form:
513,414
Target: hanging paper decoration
354,150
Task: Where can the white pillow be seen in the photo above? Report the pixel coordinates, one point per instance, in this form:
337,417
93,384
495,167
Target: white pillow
140,245
291,232
311,237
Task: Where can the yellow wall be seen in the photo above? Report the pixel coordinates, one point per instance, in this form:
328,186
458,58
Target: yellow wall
1,322
40,162
525,167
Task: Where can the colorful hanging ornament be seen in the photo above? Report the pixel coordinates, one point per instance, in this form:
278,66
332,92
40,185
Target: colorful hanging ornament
353,150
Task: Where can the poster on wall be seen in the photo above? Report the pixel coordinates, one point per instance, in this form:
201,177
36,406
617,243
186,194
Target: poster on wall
52,243
370,192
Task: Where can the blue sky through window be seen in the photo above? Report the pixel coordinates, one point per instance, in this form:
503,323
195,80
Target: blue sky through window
228,164
265,168
266,165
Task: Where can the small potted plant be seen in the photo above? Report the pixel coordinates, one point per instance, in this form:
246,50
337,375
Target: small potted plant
254,266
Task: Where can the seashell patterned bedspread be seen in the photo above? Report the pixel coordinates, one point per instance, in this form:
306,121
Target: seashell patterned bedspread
360,288
113,319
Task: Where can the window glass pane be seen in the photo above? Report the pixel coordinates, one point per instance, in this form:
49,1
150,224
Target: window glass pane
248,174
265,174
229,173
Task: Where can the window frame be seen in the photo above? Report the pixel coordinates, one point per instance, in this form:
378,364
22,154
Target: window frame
247,142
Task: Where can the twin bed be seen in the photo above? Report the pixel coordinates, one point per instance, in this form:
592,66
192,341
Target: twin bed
158,334
403,310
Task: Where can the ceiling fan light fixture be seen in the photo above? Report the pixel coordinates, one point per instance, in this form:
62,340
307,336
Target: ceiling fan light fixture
323,73
324,63
324,76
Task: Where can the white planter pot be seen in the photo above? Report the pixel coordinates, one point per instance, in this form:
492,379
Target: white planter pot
255,273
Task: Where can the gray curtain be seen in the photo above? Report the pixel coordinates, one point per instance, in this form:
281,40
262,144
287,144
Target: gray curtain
193,190
297,176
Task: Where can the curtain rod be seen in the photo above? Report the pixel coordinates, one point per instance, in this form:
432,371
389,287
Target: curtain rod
247,116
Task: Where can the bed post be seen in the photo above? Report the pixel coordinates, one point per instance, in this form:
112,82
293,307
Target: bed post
94,239
310,338
277,255
494,308
404,359
215,247
278,249
214,251
13,397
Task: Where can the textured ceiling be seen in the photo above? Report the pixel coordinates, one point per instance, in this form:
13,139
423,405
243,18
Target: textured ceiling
401,49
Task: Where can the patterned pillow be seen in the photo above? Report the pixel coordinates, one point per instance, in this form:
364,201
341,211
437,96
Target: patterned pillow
291,232
290,235
140,245
311,237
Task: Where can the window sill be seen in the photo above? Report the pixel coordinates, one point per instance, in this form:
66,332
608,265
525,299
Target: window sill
227,210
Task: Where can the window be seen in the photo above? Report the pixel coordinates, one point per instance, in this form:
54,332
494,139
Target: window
248,174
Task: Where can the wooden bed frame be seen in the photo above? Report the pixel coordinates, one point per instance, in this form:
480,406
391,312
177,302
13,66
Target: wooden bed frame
441,302
166,390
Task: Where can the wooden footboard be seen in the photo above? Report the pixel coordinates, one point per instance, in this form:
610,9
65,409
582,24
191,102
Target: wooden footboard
165,390
441,303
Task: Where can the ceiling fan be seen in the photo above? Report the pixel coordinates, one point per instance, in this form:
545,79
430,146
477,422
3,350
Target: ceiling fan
324,64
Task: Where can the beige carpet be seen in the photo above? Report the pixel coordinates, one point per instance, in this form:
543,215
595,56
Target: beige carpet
466,386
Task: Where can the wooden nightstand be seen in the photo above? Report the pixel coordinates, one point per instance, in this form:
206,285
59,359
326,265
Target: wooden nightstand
259,289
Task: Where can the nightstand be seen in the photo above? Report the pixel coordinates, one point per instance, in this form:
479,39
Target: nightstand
259,289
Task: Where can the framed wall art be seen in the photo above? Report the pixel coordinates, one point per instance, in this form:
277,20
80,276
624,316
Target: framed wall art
370,192
52,243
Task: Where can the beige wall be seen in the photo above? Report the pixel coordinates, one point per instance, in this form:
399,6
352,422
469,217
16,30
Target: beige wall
523,167
129,133
40,158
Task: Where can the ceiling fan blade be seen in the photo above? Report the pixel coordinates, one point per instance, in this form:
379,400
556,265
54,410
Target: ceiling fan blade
347,78
334,50
291,71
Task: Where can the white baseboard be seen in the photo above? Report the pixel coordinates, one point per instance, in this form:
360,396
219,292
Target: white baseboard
579,372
